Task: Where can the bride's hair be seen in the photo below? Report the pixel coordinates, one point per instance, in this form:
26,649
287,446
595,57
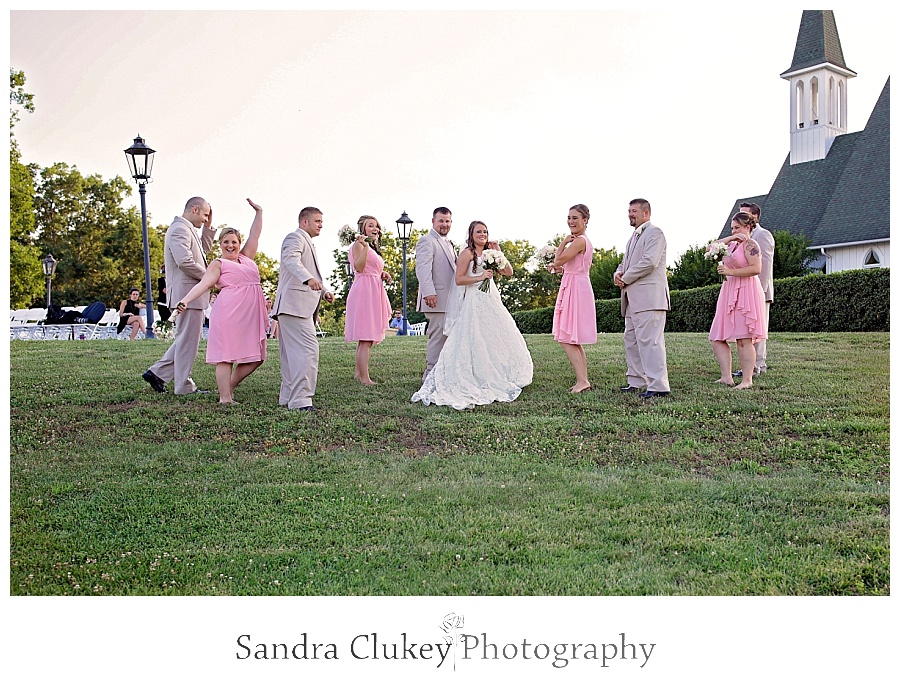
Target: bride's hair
470,241
376,242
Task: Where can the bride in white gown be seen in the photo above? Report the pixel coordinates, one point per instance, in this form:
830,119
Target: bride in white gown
485,358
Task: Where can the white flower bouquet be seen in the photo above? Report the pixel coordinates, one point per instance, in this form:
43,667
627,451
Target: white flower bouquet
491,260
546,255
347,235
716,251
164,329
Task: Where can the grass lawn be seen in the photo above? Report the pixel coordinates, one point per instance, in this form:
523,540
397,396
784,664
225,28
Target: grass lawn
782,489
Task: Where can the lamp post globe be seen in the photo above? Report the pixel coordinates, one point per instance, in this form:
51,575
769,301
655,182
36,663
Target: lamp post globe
48,265
404,228
140,164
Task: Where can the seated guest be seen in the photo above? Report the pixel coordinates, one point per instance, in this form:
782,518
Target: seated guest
397,320
130,314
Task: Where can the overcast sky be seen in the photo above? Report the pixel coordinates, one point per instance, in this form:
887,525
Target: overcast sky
506,117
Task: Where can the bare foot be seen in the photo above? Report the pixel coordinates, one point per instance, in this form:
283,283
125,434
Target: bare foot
232,402
744,385
366,382
726,382
578,388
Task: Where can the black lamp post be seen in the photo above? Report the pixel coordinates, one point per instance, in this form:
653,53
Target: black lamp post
48,264
404,226
348,270
140,162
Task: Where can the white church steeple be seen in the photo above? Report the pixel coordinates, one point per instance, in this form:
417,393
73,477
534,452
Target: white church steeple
818,78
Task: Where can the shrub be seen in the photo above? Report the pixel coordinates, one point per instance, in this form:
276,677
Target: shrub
850,301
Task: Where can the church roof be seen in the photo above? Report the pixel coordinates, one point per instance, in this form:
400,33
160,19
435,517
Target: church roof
843,198
817,42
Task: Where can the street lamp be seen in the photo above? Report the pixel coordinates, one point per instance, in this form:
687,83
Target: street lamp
404,226
48,264
140,162
348,270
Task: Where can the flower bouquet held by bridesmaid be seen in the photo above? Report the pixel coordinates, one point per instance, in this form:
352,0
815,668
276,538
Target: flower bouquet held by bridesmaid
575,314
740,310
368,309
238,321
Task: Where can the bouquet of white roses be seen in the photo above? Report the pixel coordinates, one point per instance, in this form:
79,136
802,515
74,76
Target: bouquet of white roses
491,260
347,235
546,255
716,251
164,329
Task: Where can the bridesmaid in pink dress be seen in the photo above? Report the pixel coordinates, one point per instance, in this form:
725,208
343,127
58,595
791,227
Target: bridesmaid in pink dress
741,306
368,310
238,321
575,314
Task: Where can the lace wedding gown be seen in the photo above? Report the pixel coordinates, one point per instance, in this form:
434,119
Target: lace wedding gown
484,359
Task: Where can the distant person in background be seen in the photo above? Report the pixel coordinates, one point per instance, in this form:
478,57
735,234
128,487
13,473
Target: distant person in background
130,314
238,321
162,305
368,308
396,320
273,323
766,242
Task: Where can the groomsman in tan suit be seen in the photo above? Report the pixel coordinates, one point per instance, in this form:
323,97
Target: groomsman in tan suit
767,246
185,257
436,272
645,299
296,308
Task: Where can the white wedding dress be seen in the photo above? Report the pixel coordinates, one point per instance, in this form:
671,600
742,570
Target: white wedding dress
484,359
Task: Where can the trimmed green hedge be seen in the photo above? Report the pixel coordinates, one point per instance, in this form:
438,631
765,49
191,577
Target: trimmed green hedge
850,301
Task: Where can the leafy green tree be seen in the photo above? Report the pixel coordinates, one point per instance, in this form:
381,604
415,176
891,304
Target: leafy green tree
98,243
516,291
25,276
792,255
692,270
603,267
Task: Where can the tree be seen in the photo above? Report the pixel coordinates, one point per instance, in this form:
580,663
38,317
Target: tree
25,275
98,243
692,270
516,290
792,255
603,267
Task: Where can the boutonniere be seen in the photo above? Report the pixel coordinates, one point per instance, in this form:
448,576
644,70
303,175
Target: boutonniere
640,230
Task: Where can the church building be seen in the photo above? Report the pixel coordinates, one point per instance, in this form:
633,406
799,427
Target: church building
834,186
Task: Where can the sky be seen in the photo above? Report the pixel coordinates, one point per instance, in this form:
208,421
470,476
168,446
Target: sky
509,117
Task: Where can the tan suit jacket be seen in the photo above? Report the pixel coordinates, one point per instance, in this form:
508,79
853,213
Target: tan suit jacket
298,264
435,270
767,247
185,257
643,270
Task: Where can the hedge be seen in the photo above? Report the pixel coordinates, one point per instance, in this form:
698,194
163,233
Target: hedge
849,301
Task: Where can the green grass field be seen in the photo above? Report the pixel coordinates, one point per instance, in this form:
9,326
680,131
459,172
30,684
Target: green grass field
782,489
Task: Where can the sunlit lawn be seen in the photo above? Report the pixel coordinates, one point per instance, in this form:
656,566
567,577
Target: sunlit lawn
782,489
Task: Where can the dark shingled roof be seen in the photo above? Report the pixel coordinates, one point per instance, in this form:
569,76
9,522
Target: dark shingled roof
817,42
844,198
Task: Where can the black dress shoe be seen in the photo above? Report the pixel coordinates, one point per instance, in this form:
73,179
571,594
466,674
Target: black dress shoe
651,394
629,389
154,381
737,373
308,409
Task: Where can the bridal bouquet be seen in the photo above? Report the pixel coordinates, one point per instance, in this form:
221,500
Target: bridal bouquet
491,260
716,251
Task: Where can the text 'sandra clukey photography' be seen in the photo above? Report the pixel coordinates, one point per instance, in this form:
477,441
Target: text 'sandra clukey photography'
452,650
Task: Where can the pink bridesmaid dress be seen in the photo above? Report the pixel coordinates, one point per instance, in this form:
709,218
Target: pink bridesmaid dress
575,314
368,310
741,306
238,320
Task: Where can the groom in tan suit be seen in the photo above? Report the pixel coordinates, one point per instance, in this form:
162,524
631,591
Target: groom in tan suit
185,257
436,272
296,309
645,299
